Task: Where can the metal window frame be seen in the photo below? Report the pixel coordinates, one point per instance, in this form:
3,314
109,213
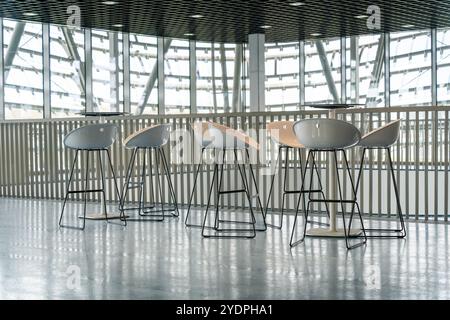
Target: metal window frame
2,86
193,76
161,77
47,112
126,73
88,69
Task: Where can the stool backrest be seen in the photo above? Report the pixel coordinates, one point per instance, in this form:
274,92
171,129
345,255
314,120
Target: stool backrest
223,137
150,137
384,136
326,134
201,134
282,132
91,137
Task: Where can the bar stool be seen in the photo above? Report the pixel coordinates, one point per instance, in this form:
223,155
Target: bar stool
225,139
329,135
90,138
382,139
282,133
201,137
149,139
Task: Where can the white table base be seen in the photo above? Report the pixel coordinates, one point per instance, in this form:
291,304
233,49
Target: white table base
337,233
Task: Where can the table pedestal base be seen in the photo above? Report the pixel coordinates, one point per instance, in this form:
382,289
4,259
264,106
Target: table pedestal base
101,216
338,233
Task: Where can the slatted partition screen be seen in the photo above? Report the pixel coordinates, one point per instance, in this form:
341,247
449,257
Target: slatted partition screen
35,164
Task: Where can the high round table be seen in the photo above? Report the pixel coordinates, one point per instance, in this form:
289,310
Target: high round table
332,231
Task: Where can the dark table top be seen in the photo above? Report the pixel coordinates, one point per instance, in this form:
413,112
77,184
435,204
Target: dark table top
334,106
102,114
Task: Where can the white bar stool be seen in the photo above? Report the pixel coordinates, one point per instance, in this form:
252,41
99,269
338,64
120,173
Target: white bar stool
225,139
91,138
382,139
202,138
329,135
282,133
149,139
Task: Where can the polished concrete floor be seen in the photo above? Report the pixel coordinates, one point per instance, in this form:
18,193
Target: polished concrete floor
168,261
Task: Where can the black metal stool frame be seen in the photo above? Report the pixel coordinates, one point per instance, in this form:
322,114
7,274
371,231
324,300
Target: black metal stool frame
342,201
401,233
146,212
246,190
86,191
287,192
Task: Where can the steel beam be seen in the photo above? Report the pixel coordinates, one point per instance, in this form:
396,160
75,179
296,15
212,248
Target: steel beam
236,104
302,73
213,75
153,77
2,83
46,70
327,70
377,70
193,76
114,71
223,64
257,72
71,49
13,47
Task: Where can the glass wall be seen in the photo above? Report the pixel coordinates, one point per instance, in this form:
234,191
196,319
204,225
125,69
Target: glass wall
443,66
410,66
282,67
107,71
67,66
219,77
23,70
177,77
143,75
220,74
365,72
322,71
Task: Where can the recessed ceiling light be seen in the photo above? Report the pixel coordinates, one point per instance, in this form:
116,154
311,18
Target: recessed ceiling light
30,14
109,3
118,25
362,16
316,34
408,26
196,16
265,27
296,4
189,34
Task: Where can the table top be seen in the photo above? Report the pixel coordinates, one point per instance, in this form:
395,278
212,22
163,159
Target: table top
102,114
335,106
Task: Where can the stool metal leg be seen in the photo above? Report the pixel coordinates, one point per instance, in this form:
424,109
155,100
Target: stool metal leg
271,191
103,184
169,181
192,193
68,188
86,180
258,198
342,202
400,233
292,242
116,187
218,177
127,181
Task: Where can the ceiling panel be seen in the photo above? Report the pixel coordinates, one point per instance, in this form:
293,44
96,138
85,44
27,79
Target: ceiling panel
233,20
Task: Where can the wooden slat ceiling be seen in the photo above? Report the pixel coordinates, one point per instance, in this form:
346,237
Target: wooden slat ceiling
233,20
